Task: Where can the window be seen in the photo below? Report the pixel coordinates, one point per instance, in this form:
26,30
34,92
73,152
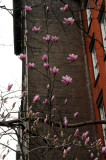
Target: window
88,11
103,117
94,58
100,104
103,29
95,63
18,33
102,21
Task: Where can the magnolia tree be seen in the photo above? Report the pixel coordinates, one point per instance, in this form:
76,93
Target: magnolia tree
58,134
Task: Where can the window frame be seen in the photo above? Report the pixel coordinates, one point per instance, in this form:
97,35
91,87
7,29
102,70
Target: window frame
100,104
91,47
18,26
102,9
89,14
100,17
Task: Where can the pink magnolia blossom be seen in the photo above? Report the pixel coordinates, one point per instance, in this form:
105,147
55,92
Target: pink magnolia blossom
13,105
76,114
76,133
56,140
92,144
63,144
24,93
32,128
68,149
47,9
65,8
85,135
36,98
22,56
31,65
44,58
65,121
48,86
46,65
54,109
54,70
55,136
66,79
92,155
65,102
99,142
46,101
28,8
103,150
52,99
96,158
30,113
25,130
45,120
30,108
47,38
33,114
8,115
26,32
69,20
72,57
64,153
36,121
87,140
3,157
2,115
55,39
36,114
52,116
5,100
36,30
9,87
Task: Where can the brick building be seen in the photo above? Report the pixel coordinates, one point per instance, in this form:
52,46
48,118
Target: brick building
96,54
86,94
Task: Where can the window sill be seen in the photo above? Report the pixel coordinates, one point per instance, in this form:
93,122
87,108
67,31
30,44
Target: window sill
96,80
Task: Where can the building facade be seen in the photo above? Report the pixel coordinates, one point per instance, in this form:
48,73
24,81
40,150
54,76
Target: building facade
86,95
94,23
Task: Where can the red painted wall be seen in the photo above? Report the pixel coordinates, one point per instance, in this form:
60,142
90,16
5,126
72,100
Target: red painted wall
101,83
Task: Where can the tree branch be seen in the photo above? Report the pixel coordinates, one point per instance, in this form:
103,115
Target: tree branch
18,122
